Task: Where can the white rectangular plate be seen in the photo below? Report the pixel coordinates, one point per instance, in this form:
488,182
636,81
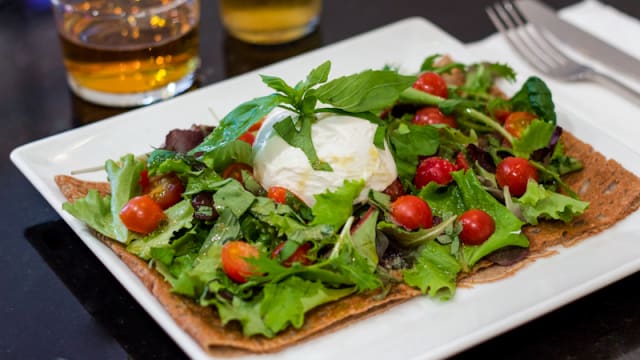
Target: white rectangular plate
420,328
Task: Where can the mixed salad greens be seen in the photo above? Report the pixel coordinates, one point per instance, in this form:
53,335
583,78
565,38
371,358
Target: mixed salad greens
473,169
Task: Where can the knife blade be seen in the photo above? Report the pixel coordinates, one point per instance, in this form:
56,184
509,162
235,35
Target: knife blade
546,18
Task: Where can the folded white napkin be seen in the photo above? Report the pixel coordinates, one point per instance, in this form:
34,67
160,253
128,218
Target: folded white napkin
595,103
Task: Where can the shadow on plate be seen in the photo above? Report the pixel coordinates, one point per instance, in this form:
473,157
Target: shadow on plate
100,293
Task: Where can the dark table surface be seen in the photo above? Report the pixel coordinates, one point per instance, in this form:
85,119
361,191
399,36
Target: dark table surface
57,301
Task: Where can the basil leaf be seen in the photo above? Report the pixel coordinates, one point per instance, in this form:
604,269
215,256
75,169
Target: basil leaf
315,77
278,84
238,121
301,139
366,91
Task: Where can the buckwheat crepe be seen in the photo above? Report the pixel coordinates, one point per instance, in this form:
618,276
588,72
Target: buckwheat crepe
612,191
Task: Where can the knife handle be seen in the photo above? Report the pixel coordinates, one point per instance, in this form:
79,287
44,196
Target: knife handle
614,85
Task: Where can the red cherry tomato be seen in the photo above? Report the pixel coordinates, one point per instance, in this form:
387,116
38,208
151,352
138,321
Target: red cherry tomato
277,194
435,169
234,264
300,255
247,137
517,122
144,179
412,212
501,115
165,190
255,127
234,171
515,173
432,116
461,161
477,226
433,84
141,214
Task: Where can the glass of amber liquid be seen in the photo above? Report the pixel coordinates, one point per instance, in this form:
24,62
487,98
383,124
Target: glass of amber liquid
127,53
270,22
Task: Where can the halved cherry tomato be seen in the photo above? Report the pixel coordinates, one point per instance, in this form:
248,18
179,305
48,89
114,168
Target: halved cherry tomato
517,122
412,212
166,190
141,214
234,264
277,194
435,169
432,116
433,84
300,255
515,173
477,226
461,161
234,171
247,137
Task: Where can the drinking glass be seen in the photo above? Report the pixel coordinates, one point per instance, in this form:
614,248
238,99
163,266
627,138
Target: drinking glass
126,53
270,22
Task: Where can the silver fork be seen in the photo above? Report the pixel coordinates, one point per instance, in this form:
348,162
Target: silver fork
541,53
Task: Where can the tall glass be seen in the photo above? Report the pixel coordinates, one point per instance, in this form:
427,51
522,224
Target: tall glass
128,53
270,21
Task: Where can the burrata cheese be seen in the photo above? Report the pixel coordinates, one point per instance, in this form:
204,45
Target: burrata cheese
345,142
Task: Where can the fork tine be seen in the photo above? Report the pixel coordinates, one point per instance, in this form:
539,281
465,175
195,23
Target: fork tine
540,40
508,29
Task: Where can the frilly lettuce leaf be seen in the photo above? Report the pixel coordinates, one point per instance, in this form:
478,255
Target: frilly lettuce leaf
538,202
95,211
435,271
123,178
335,207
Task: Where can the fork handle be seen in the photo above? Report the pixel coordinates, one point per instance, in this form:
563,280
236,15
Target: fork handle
614,85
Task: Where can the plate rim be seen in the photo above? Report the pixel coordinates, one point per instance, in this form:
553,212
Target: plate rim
19,157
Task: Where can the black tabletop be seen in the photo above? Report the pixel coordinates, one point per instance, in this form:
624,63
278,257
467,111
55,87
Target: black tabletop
57,301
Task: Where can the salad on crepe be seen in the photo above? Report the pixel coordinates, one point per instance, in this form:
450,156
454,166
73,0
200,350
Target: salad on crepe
327,189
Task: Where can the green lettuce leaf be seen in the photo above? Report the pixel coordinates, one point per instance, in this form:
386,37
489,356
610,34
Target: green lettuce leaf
538,202
235,151
123,178
435,271
535,136
95,211
334,207
162,161
234,197
299,296
364,237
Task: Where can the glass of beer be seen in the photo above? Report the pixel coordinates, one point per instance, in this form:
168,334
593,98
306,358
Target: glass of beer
270,22
127,53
